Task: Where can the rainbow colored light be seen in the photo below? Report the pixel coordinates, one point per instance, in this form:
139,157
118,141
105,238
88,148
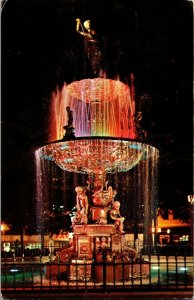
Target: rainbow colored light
101,107
103,118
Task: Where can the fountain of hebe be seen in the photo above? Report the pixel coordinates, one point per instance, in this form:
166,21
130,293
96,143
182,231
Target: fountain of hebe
100,138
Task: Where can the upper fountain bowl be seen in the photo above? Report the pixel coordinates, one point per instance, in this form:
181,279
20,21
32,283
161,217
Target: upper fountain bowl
101,107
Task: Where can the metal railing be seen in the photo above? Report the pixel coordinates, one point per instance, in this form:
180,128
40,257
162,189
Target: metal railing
48,273
36,250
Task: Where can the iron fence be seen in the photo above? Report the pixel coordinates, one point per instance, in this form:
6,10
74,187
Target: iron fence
48,273
36,250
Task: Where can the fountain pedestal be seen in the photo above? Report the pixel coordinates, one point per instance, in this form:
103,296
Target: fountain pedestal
90,238
94,230
95,239
81,270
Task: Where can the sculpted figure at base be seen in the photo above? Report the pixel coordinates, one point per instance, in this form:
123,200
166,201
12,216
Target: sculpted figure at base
66,254
102,198
99,214
102,195
115,216
81,206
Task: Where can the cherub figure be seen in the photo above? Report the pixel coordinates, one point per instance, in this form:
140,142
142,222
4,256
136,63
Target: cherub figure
116,217
81,205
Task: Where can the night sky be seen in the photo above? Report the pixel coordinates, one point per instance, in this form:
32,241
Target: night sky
41,50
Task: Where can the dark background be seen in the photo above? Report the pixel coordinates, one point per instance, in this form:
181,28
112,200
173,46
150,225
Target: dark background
41,49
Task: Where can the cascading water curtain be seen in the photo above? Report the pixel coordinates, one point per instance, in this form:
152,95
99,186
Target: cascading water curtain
101,107
39,192
44,174
55,195
137,190
147,193
105,109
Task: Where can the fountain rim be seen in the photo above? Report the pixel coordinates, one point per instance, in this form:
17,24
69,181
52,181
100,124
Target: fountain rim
127,161
98,138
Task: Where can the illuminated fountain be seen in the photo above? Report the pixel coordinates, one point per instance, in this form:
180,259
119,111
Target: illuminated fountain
104,128
101,138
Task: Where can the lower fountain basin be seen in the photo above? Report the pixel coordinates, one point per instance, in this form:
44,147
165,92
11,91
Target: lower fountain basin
96,154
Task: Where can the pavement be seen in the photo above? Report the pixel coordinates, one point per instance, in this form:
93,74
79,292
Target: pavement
160,295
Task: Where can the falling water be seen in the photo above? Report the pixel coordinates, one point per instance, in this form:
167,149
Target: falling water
39,192
57,115
54,189
45,170
137,190
101,108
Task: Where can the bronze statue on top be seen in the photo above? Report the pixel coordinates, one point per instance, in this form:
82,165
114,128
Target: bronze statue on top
91,47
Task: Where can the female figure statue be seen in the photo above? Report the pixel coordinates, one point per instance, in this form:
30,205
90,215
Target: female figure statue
90,43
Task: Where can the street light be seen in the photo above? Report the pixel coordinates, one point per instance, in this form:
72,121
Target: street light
190,199
153,234
4,227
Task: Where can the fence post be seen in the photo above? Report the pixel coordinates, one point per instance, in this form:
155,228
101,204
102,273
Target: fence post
104,268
